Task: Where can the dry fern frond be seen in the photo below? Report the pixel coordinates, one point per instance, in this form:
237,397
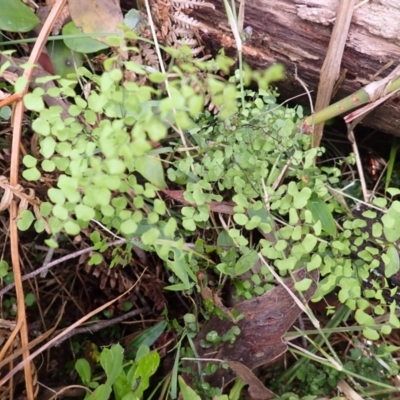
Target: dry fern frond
175,27
182,32
171,38
18,191
193,4
185,21
197,50
149,55
62,19
191,42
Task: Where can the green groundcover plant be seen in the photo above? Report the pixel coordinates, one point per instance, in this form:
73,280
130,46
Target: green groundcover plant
125,147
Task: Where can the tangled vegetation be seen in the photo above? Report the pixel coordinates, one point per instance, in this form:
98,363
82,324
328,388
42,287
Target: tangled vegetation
216,180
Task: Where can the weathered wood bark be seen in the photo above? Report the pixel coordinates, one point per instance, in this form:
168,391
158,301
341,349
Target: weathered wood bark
297,33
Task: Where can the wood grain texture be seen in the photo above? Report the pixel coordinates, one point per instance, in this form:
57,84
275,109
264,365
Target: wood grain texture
297,33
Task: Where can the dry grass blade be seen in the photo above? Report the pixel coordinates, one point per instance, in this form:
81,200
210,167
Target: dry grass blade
33,343
21,326
331,68
49,344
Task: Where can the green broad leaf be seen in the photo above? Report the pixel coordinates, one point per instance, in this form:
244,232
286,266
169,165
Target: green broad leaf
170,227
148,338
240,219
156,130
150,167
391,227
5,113
393,320
114,166
315,262
95,237
72,228
65,61
102,392
286,264
31,174
56,196
309,242
15,16
48,166
122,388
363,318
135,67
267,223
128,227
157,77
112,362
186,391
25,220
96,259
179,287
370,334
3,268
159,207
47,147
84,213
189,224
45,209
20,84
34,102
81,43
224,240
60,212
30,299
246,262
386,329
377,229
321,212
51,243
380,202
150,236
196,105
29,161
82,366
180,269
132,18
393,191
391,261
146,367
303,285
302,198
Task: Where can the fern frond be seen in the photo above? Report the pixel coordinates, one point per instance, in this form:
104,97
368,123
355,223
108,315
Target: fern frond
191,42
149,55
184,21
193,4
171,38
183,32
197,50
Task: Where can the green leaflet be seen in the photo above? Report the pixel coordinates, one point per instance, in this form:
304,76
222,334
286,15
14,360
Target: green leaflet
15,16
321,212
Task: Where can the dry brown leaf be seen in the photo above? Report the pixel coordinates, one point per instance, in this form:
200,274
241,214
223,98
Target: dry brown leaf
266,319
223,207
256,389
96,16
350,393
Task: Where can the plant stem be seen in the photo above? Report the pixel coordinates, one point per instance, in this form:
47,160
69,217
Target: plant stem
345,105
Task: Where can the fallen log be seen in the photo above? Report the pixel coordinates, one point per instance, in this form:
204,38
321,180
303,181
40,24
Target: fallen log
297,33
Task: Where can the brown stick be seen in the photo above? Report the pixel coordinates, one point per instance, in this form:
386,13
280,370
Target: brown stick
21,326
331,68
